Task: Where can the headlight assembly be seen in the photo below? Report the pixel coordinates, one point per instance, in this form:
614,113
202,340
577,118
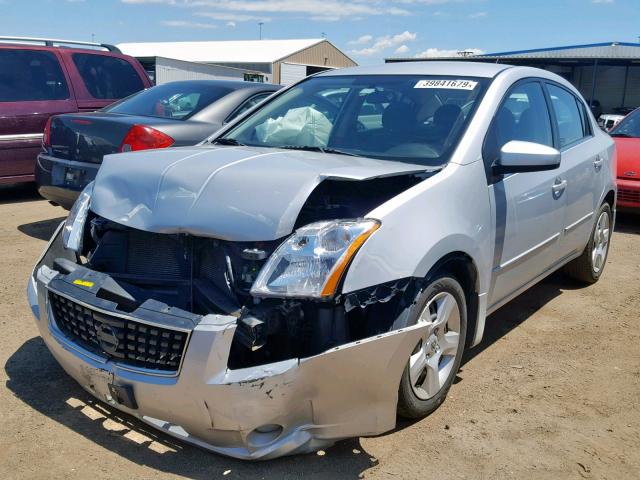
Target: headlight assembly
73,230
311,262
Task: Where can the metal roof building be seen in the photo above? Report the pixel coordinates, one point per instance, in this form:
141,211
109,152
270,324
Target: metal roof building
281,61
607,50
607,72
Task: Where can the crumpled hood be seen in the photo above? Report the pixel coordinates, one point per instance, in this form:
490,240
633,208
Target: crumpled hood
230,193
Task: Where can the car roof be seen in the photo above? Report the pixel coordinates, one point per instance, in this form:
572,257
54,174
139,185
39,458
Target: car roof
466,69
231,84
62,49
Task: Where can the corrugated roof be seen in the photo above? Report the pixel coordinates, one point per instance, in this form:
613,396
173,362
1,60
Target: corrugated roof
606,50
238,51
592,50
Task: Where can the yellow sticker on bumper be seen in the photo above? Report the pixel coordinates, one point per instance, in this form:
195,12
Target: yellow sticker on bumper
83,283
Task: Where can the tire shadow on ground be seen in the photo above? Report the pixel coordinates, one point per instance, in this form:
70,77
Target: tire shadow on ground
19,192
36,378
628,222
42,230
519,310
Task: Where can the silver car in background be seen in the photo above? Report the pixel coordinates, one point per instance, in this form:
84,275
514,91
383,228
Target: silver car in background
321,264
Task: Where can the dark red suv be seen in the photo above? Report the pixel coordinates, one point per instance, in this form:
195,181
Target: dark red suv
40,78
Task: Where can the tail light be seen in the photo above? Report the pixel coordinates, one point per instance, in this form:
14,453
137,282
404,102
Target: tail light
141,137
46,136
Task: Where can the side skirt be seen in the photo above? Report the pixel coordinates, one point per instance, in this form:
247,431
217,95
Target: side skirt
561,263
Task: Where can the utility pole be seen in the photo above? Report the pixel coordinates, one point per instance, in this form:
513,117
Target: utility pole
93,38
260,25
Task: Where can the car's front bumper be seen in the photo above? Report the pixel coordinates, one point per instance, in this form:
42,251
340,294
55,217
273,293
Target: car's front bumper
263,412
628,194
61,181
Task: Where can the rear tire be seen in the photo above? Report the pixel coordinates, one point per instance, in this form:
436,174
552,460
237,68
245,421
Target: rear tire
588,267
436,359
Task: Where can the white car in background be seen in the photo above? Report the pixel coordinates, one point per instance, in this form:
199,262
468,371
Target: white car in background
609,120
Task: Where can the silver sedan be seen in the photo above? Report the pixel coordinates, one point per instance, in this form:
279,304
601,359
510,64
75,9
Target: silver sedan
321,264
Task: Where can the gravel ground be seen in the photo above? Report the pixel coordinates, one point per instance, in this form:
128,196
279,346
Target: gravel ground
552,392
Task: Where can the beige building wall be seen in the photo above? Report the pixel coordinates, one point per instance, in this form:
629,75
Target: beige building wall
323,54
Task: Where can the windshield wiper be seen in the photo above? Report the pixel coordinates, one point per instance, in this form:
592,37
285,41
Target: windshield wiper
312,148
228,141
340,152
625,135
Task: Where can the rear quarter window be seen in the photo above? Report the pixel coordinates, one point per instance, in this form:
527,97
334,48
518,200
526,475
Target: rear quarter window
31,75
250,103
107,77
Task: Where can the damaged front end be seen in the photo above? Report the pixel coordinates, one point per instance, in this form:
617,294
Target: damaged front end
207,340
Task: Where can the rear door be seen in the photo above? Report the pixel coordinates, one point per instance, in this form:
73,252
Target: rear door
101,78
582,166
529,206
33,86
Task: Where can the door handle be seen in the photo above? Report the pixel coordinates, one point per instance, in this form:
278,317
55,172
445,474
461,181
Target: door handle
558,187
597,163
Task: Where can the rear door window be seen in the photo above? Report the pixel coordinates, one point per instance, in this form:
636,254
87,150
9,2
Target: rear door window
571,127
31,75
107,77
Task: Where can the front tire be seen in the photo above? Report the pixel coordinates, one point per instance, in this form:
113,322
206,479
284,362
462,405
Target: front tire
436,359
588,267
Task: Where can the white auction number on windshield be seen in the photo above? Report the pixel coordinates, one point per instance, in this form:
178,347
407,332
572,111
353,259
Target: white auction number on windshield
446,83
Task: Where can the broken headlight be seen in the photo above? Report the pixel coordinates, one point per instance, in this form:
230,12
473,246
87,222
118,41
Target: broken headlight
73,230
311,262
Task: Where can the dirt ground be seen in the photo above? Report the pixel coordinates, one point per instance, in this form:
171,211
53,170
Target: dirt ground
552,392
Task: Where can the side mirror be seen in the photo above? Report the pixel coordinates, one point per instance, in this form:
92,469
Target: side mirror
517,156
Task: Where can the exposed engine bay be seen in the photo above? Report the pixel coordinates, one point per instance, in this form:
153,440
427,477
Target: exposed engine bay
206,275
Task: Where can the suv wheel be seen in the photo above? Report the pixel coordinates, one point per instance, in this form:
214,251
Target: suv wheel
435,360
588,267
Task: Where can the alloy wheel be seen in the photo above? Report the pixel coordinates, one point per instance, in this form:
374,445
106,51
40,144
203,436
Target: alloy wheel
432,361
601,236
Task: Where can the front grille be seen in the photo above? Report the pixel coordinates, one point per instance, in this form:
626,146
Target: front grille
130,342
628,195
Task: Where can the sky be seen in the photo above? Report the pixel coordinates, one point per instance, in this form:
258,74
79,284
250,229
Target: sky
367,30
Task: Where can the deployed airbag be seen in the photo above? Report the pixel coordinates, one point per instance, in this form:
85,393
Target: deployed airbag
299,126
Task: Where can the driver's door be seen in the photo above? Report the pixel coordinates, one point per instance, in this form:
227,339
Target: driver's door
528,207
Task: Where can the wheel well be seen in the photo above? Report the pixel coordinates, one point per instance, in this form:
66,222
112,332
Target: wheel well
610,198
462,268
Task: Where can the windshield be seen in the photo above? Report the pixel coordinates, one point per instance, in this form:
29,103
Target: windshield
413,118
178,101
629,126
